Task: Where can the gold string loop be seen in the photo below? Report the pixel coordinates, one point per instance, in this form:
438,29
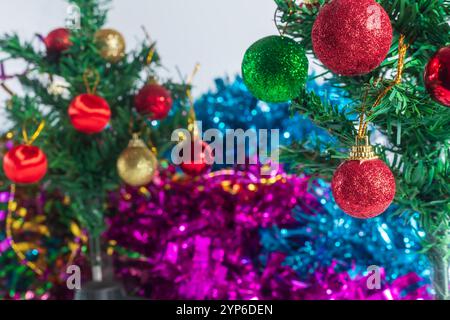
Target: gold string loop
402,48
35,135
87,74
362,115
150,55
152,45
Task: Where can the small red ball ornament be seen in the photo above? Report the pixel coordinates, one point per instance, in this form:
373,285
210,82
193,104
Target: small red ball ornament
154,101
58,40
363,188
89,113
352,37
437,76
201,159
25,164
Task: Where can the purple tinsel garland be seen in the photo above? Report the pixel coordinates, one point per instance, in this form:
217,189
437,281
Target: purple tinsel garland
192,230
198,238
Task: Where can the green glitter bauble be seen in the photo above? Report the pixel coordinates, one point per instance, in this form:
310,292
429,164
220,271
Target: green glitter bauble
275,68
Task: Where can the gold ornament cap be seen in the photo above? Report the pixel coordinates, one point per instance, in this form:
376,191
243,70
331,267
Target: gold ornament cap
362,150
152,80
136,142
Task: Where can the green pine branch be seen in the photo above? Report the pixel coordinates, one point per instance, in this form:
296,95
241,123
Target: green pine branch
417,128
81,166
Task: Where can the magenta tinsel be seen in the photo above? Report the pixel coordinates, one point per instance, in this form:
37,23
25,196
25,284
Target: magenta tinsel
183,238
200,236
327,284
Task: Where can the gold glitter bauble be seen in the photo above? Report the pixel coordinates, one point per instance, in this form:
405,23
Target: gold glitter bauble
136,164
110,44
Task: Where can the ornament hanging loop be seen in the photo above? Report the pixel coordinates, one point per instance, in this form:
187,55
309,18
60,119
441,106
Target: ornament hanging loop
402,47
361,131
89,74
150,55
30,140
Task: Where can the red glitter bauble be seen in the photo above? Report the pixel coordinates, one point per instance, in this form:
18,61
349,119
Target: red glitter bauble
25,164
437,76
352,37
154,101
89,113
201,159
58,40
363,188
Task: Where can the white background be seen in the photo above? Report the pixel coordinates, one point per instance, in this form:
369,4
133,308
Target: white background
214,33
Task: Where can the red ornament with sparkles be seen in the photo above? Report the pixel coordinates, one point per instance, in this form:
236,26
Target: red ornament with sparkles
201,159
25,164
437,76
58,40
154,101
89,113
363,188
352,37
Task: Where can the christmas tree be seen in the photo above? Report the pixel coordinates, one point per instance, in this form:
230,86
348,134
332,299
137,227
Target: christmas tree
85,97
408,124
